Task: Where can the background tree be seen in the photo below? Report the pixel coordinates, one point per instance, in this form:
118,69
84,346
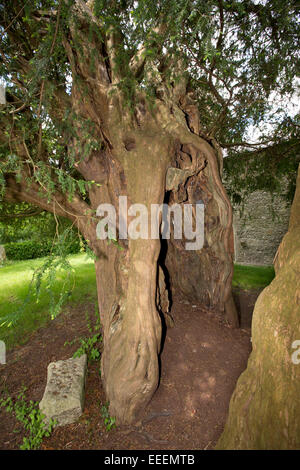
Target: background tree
138,98
19,222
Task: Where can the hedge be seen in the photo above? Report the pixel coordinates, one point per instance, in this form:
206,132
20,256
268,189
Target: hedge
31,249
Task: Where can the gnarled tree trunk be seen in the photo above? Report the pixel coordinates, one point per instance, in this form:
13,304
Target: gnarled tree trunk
138,148
138,166
265,406
137,158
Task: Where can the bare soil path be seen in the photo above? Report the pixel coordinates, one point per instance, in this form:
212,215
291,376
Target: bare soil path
201,361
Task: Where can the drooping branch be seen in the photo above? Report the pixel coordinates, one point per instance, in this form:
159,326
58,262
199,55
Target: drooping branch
14,19
21,215
31,192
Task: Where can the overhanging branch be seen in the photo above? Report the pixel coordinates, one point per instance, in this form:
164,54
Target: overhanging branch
21,215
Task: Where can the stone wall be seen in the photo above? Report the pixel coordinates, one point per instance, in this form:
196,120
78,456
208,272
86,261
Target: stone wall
259,228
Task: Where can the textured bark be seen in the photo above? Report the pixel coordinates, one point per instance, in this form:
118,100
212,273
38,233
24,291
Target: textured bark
205,275
265,407
128,287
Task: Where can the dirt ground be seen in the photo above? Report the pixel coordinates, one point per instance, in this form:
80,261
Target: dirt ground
201,361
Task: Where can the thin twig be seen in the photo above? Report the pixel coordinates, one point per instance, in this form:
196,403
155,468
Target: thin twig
43,82
14,19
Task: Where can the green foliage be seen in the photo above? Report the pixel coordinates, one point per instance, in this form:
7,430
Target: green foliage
109,421
31,249
236,54
29,415
273,170
91,345
27,250
240,59
47,274
55,262
22,222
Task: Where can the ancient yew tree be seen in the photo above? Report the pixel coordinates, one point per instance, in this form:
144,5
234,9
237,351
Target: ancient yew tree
109,98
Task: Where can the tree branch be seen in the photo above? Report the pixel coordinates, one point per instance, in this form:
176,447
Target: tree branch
138,61
14,19
76,210
21,215
247,144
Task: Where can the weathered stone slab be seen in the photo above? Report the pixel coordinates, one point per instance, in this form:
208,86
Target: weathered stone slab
63,399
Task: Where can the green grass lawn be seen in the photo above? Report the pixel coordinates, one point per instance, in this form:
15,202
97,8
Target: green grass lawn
14,284
252,277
